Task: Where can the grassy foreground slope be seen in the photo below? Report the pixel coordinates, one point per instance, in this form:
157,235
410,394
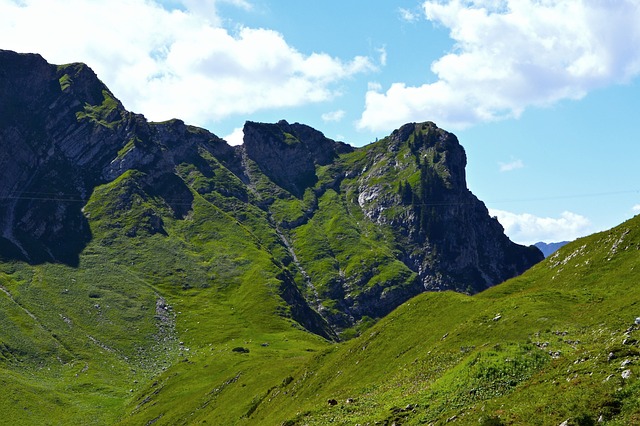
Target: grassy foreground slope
558,343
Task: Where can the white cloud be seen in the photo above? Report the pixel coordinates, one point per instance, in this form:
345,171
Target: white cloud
176,61
333,116
408,15
526,228
511,55
236,137
636,208
383,55
207,9
512,165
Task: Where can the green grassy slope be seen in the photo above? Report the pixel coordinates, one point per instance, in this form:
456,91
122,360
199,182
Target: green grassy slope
549,346
157,322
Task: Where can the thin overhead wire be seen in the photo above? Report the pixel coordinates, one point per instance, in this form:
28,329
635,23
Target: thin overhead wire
73,198
567,197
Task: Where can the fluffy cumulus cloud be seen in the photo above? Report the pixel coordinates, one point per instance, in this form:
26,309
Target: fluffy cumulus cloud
526,228
173,58
236,137
514,54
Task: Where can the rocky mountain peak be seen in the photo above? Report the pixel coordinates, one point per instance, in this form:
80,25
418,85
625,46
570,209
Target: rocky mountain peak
288,153
51,152
414,180
436,147
62,133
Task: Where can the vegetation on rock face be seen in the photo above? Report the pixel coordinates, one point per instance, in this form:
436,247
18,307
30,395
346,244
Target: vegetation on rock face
329,215
102,114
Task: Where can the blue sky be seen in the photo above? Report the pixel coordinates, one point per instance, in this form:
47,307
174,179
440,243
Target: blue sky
543,94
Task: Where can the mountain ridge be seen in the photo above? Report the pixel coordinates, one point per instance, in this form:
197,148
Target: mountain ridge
88,134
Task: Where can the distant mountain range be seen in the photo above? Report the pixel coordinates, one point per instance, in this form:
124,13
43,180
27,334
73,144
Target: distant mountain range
548,249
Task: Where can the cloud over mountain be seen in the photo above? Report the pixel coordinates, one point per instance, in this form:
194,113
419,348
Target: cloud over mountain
512,55
526,228
177,57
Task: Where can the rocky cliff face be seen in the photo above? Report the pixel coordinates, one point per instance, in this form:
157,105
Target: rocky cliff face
48,155
289,153
63,133
355,231
449,239
412,186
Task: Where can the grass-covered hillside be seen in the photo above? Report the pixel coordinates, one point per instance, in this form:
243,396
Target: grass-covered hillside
557,344
155,322
150,334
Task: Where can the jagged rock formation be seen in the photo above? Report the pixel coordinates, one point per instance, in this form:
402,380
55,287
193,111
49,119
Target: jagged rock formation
439,214
352,232
289,153
412,186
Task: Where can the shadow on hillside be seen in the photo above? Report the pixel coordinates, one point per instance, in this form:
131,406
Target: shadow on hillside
44,231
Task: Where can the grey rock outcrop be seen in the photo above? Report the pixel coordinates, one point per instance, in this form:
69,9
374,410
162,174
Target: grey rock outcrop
289,153
62,133
447,234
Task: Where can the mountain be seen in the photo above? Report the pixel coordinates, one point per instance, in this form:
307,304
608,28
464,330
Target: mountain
548,249
357,231
151,273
